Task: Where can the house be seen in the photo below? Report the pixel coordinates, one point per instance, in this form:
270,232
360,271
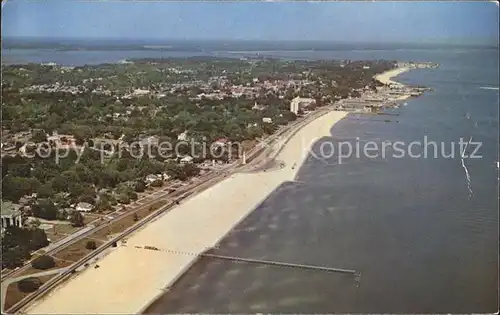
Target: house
221,142
67,212
138,92
11,215
152,178
84,207
358,105
258,107
267,120
183,136
187,159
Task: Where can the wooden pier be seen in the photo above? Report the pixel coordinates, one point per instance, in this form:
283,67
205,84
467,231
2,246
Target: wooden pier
253,261
279,264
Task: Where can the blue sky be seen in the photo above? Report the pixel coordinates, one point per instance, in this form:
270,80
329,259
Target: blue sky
335,21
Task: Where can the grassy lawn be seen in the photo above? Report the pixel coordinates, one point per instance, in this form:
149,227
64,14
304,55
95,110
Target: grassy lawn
76,251
59,264
13,295
121,225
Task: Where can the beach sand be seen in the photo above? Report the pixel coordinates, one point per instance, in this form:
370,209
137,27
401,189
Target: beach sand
385,77
130,278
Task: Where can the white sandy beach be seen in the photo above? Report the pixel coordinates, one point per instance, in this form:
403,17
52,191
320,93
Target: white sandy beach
129,278
386,77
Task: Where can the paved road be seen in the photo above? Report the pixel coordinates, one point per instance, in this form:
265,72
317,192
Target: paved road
91,228
69,238
263,153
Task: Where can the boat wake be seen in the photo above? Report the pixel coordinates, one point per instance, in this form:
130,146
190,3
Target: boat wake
467,176
489,88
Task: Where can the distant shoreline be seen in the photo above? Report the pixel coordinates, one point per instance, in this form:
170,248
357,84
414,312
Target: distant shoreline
70,52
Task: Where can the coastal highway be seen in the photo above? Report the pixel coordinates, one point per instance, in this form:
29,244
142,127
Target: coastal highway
52,283
258,155
97,225
91,228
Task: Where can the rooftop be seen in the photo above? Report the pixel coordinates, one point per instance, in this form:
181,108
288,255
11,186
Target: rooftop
9,208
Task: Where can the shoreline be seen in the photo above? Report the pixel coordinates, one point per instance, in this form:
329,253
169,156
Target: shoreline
386,77
232,200
101,290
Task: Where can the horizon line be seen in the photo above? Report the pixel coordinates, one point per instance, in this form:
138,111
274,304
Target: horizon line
493,40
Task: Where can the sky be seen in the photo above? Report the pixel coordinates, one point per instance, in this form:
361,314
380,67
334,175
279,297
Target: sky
266,20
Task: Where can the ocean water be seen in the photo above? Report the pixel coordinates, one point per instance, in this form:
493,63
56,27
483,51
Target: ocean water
422,235
411,226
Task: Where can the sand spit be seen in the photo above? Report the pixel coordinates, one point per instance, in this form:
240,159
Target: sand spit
131,277
385,77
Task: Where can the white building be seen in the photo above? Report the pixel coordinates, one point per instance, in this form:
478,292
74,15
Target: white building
187,159
183,136
152,178
84,207
140,92
11,216
299,103
258,107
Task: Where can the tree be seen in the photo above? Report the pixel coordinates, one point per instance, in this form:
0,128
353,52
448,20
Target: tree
76,219
103,204
39,136
38,239
355,94
45,191
136,217
43,262
13,188
60,183
133,195
14,257
79,135
157,183
44,209
87,197
61,200
91,245
140,186
29,285
15,246
123,198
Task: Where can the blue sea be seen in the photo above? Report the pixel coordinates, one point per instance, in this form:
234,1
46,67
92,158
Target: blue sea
422,232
